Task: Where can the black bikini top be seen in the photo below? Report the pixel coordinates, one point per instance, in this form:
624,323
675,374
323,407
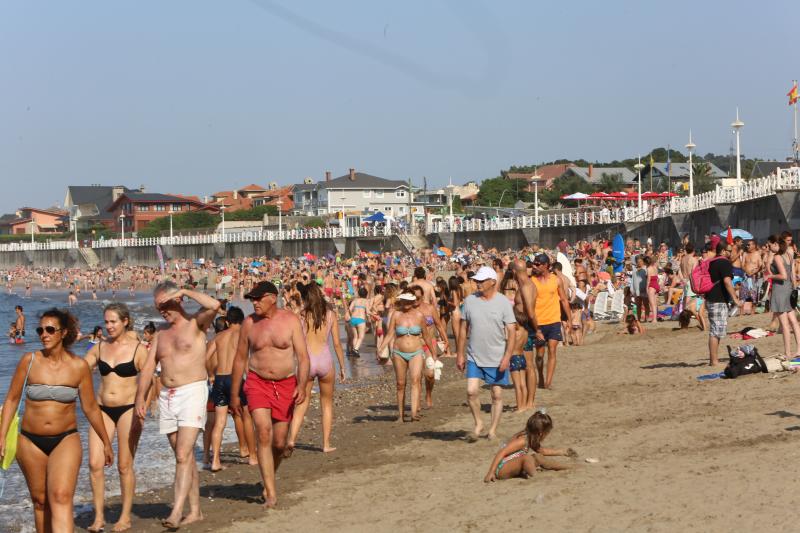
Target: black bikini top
123,370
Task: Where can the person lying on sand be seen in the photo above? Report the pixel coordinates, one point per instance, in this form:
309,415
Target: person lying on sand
515,459
632,326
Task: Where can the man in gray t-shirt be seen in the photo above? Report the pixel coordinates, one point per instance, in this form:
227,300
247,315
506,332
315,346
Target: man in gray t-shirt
488,327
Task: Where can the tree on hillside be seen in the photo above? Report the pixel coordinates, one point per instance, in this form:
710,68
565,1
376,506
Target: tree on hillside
496,189
252,214
701,176
563,186
610,183
200,220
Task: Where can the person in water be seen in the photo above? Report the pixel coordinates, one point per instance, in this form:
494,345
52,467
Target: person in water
118,358
49,447
524,454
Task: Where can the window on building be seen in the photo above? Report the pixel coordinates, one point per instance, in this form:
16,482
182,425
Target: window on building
378,194
387,208
400,194
160,207
177,207
142,207
375,209
367,193
402,209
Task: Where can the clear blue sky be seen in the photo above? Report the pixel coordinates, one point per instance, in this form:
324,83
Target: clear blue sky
194,96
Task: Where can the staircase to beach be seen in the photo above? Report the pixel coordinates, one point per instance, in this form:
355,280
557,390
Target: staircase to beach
90,257
413,242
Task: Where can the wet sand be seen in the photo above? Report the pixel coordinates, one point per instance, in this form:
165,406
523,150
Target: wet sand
674,454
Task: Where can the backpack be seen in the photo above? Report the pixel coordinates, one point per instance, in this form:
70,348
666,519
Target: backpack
744,360
701,276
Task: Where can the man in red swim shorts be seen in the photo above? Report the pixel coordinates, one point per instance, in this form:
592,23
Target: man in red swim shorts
274,340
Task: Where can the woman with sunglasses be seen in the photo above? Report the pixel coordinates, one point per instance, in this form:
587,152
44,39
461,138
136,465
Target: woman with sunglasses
118,358
49,448
407,334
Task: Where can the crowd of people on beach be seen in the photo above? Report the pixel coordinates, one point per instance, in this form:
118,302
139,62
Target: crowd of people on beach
502,315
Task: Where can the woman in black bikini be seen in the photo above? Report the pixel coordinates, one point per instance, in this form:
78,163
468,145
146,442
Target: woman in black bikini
118,358
49,448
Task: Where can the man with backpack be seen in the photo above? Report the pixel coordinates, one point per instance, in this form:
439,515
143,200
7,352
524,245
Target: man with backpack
718,270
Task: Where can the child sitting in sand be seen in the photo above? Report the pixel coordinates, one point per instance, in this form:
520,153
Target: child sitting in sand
515,459
632,326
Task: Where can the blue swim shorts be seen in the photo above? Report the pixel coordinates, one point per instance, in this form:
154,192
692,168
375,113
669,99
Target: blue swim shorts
488,374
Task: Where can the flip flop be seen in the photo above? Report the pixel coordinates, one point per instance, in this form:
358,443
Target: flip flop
472,438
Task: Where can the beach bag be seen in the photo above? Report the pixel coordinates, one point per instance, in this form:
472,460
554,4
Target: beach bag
744,360
701,276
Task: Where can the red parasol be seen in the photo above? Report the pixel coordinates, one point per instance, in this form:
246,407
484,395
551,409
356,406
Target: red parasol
729,239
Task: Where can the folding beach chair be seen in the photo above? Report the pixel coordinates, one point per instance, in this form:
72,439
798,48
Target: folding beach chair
600,309
618,305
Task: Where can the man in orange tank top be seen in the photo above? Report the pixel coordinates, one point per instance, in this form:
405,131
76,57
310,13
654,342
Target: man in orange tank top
550,302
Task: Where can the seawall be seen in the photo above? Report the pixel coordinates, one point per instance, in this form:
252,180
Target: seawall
761,217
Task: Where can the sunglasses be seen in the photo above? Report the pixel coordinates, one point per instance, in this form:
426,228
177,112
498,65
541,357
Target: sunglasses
49,329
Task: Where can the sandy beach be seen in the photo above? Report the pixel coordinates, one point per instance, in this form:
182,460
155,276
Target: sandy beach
674,454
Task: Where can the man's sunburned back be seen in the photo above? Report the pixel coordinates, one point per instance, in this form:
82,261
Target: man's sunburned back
428,294
181,350
688,263
271,347
736,256
226,342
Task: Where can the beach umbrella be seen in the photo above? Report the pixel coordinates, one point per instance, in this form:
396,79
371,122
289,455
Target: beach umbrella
309,256
447,251
575,196
256,264
744,235
605,276
377,217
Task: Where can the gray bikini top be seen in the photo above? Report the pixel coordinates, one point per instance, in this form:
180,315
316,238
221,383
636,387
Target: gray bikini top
36,392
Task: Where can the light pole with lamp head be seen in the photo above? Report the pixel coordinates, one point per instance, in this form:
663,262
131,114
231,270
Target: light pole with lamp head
639,166
450,201
33,227
222,212
279,203
691,146
170,223
122,225
738,125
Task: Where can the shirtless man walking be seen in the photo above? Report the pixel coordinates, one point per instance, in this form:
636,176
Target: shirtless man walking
276,344
19,325
428,294
225,344
752,266
180,348
525,313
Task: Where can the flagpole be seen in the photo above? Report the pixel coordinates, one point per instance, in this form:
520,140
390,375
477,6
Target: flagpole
795,128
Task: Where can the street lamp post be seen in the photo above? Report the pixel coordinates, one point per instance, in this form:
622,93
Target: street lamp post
170,224
639,166
450,201
279,203
737,125
343,226
122,225
75,228
222,212
691,146
33,227
536,203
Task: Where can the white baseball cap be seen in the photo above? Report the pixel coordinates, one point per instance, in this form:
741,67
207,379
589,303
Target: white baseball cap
407,296
485,273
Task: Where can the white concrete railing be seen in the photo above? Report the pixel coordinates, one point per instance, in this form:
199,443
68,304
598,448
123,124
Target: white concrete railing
783,179
549,220
248,236
30,246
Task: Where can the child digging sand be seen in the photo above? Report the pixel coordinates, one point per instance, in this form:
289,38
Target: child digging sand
513,460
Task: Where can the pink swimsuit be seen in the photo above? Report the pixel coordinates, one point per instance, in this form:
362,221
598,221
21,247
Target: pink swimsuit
321,363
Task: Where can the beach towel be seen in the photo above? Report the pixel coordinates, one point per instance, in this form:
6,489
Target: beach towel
709,377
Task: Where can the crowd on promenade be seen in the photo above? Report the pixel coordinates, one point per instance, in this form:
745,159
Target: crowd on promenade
502,315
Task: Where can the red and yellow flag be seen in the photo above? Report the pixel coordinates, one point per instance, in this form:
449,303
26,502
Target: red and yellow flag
792,94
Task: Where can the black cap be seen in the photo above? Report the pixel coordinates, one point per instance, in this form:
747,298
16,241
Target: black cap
542,259
263,287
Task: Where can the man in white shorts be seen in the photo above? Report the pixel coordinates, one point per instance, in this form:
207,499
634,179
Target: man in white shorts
180,348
